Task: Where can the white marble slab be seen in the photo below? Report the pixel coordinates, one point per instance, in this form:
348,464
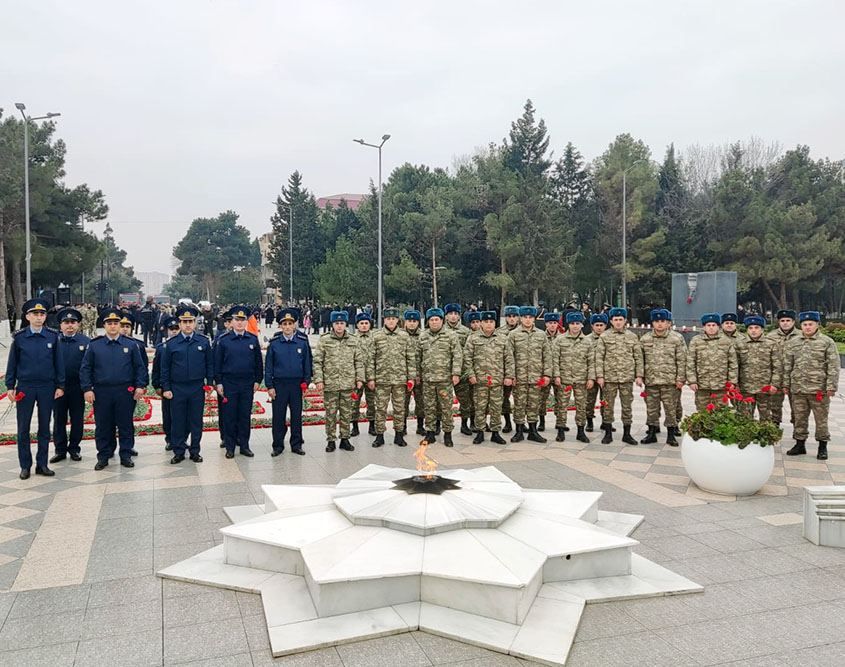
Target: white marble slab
261,556
488,633
562,536
208,568
548,631
286,600
284,496
575,504
243,512
292,532
459,555
619,522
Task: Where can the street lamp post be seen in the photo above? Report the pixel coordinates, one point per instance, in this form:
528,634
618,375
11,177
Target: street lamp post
20,106
625,233
238,269
289,207
384,138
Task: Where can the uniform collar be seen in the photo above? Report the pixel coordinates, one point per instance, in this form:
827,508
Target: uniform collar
33,332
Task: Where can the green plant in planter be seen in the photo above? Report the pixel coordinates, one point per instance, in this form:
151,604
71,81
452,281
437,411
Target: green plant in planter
724,422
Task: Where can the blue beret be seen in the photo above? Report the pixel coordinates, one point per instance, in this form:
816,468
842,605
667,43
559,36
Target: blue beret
710,317
785,313
489,316
755,319
551,317
660,315
452,308
412,314
810,316
598,318
574,316
35,306
618,312
363,317
170,322
339,316
473,316
527,311
69,314
511,310
434,312
729,317
186,312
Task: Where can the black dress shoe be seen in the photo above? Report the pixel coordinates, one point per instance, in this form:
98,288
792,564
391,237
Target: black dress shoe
127,463
231,455
222,445
133,452
196,458
58,457
247,452
298,451
177,459
100,465
44,471
24,473
276,452
75,457
168,447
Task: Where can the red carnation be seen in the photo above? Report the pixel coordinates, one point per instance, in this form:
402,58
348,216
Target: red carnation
303,386
353,396
410,384
206,387
750,399
572,407
643,394
489,381
20,396
710,407
568,387
130,389
225,400
602,403
724,399
541,382
729,385
767,389
819,396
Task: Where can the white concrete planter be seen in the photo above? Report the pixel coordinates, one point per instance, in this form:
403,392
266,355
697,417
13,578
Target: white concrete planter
727,469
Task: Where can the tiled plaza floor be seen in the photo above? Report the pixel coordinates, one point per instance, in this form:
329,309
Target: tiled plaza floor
79,552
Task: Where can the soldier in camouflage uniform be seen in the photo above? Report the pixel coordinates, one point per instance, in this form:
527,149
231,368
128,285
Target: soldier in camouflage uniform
785,332
487,365
391,369
89,320
729,329
364,336
665,363
473,323
711,362
760,368
811,378
441,361
511,315
339,374
463,390
598,325
412,328
532,363
553,328
573,357
619,363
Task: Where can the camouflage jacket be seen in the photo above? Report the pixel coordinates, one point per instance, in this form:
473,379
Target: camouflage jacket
365,341
619,356
393,360
338,362
414,344
737,336
488,358
505,329
531,353
760,364
711,362
573,359
462,332
810,364
440,355
665,358
781,338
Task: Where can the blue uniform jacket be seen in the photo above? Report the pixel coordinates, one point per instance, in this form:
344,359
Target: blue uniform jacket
73,349
237,358
155,377
110,362
184,362
288,360
35,359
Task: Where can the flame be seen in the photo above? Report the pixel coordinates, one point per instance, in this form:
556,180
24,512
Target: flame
426,465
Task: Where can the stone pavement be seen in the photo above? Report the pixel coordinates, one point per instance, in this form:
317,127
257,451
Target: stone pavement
79,552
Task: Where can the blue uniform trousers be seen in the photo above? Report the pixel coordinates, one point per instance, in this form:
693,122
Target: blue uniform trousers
220,427
113,409
236,412
186,410
70,406
288,396
166,420
43,396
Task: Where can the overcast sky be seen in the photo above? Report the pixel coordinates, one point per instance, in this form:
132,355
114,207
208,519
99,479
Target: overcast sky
183,109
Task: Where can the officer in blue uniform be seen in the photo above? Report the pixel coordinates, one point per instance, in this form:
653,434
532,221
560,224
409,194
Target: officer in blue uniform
127,328
289,366
72,404
113,376
35,373
226,319
170,326
238,370
186,368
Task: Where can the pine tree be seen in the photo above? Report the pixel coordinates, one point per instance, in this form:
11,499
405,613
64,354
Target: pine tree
526,145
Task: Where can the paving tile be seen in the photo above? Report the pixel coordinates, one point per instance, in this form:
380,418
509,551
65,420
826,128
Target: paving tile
239,660
50,601
54,655
124,591
605,620
249,603
255,626
394,650
8,574
681,546
139,648
214,604
726,541
326,657
205,640
122,619
815,555
19,633
642,648
441,650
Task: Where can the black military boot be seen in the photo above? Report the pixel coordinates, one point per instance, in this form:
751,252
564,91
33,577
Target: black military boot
518,434
398,440
487,427
465,429
479,438
447,439
379,441
430,437
542,424
420,427
346,445
676,431
437,428
330,447
608,434
355,430
561,434
822,455
582,437
650,437
508,428
589,428
670,437
372,429
499,440
657,429
627,438
533,435
799,448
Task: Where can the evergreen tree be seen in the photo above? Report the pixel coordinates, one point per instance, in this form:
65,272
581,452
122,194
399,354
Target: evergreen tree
526,145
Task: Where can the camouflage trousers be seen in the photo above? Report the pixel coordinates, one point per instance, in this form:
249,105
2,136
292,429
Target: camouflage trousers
371,403
560,404
625,391
665,395
776,406
506,399
338,403
437,400
395,394
487,400
679,407
463,390
592,399
761,405
576,391
526,403
419,411
705,396
802,406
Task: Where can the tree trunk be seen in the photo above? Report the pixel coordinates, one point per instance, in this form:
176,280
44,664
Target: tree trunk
771,292
4,309
504,291
434,272
782,300
17,288
796,299
536,297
